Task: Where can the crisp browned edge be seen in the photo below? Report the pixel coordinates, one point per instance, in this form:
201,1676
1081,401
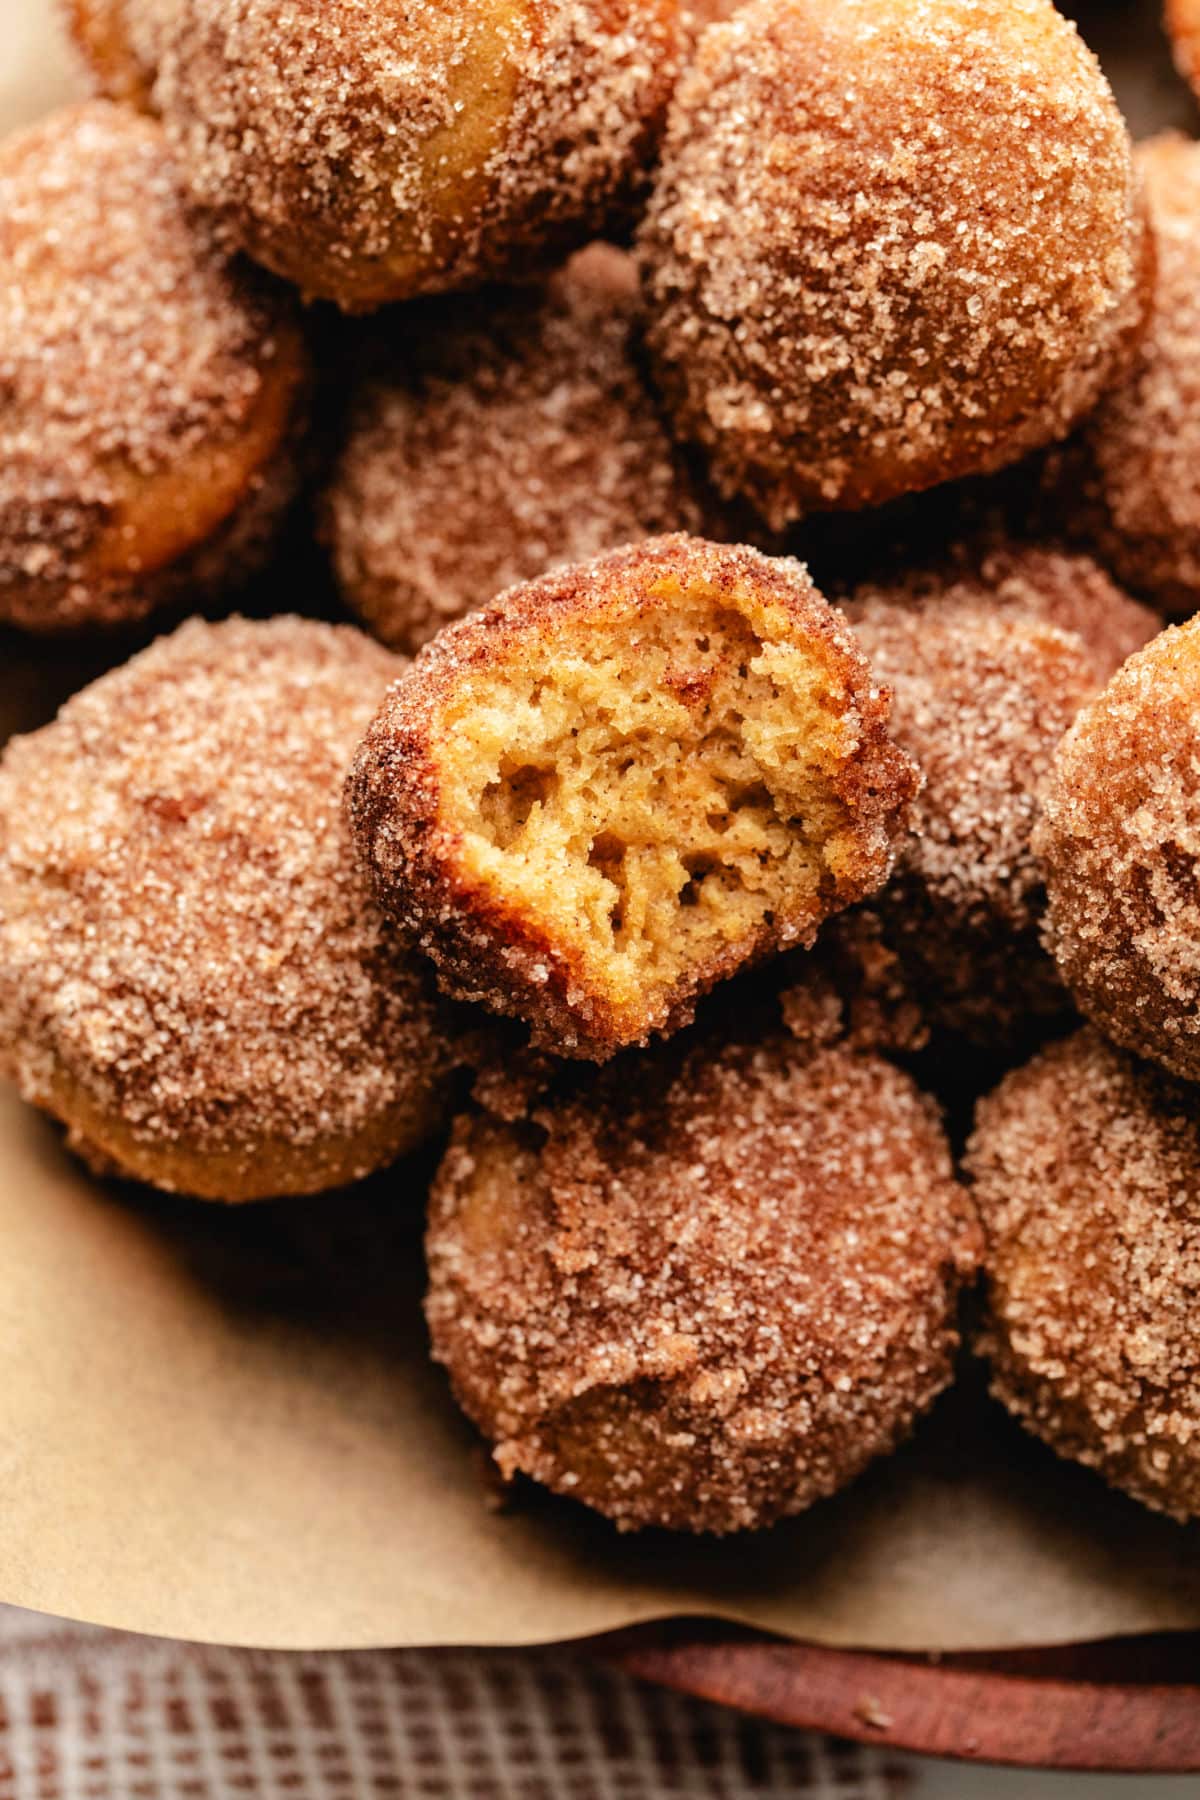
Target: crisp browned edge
478,943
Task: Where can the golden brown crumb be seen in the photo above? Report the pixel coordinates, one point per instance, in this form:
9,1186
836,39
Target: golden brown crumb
983,691
701,1288
614,787
193,976
846,260
152,388
508,436
1133,481
1120,842
1086,1169
370,150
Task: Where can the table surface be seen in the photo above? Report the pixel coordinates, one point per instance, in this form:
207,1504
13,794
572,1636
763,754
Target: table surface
90,1713
951,1781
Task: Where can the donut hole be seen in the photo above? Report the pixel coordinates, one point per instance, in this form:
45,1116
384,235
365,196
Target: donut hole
154,389
369,153
721,1282
848,298
659,794
107,42
488,1220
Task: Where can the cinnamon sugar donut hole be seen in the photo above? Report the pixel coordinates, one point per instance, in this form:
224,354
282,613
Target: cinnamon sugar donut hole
193,976
1051,582
1119,839
372,150
1183,26
703,1289
1086,1169
103,31
502,439
614,787
153,389
1133,483
846,264
985,682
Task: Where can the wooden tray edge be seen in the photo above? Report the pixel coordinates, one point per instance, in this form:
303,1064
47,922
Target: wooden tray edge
1027,1711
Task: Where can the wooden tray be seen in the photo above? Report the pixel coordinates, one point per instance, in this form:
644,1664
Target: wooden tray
1126,1706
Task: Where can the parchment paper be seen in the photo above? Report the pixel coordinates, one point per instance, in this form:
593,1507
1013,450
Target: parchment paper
223,1425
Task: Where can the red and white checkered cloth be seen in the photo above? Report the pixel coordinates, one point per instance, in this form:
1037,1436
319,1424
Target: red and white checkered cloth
97,1715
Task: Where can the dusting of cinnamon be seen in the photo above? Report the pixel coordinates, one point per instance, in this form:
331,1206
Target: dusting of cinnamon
507,435
1120,842
987,674
370,150
849,290
192,973
1086,1169
704,1288
1132,485
151,386
1183,24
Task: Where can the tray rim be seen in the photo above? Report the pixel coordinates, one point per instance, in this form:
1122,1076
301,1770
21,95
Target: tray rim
1125,1706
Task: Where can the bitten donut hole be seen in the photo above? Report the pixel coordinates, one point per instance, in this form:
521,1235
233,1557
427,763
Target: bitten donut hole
614,787
657,794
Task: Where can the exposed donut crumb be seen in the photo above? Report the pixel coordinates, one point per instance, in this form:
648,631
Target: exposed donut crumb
611,789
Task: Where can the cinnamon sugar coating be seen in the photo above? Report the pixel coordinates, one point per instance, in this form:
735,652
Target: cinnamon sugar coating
1133,482
153,389
193,976
614,787
102,31
1086,1169
984,687
1047,581
506,437
703,1288
1183,24
1120,842
699,13
849,289
371,150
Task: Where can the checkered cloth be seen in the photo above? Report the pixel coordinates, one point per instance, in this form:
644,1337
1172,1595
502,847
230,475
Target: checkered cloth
97,1715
